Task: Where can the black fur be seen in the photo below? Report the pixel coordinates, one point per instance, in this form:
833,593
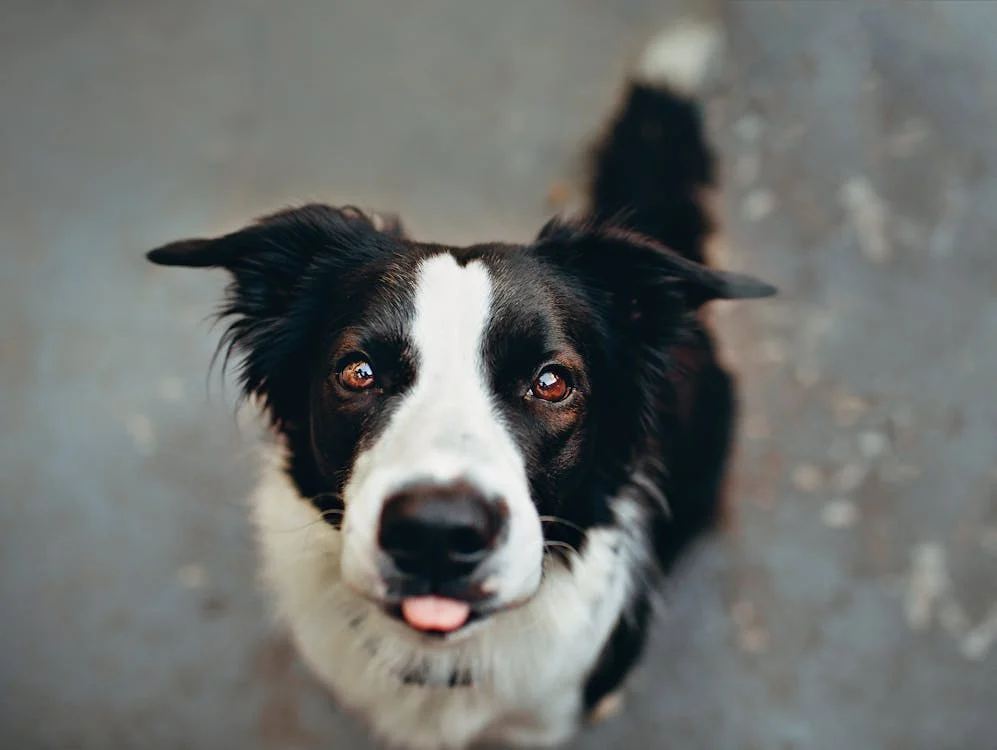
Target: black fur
617,294
651,168
651,173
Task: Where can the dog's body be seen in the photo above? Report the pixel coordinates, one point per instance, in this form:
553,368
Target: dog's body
551,418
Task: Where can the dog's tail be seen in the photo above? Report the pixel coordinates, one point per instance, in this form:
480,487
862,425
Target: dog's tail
654,167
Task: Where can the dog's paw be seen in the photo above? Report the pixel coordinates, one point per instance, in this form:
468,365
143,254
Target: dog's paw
607,708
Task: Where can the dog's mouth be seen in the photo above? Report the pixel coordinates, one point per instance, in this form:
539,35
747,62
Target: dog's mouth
434,615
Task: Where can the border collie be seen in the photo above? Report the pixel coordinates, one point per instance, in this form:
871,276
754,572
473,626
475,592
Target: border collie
484,459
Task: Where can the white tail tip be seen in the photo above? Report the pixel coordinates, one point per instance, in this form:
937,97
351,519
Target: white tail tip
681,57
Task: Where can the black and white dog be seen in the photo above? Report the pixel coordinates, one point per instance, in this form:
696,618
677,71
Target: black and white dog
485,458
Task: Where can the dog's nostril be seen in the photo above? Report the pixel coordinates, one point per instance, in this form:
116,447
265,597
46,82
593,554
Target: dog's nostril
440,532
468,541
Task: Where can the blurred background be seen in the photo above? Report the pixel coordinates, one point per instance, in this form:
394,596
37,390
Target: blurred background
852,600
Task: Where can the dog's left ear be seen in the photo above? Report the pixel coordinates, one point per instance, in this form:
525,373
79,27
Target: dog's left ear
631,264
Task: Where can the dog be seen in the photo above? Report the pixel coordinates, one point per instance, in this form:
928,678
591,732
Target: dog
485,459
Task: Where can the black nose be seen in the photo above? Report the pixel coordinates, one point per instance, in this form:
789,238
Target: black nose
440,533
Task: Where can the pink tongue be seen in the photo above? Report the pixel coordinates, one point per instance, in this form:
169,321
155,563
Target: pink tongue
434,613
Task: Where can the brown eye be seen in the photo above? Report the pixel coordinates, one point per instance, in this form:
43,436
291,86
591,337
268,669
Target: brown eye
358,375
552,384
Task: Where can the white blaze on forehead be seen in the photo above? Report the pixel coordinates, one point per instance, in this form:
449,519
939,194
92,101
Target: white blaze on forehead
452,305
447,427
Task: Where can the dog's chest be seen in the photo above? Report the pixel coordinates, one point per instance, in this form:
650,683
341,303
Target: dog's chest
519,706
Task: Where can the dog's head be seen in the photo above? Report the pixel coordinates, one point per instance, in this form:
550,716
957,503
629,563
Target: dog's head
456,410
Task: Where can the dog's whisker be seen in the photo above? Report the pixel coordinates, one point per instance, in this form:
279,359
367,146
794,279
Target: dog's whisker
563,522
292,529
560,545
331,516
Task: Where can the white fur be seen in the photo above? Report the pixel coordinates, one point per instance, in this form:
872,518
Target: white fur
681,57
446,428
527,665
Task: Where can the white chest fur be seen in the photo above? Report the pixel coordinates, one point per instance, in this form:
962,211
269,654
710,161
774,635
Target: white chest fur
525,668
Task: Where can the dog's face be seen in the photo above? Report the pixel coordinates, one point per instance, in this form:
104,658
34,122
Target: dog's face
457,412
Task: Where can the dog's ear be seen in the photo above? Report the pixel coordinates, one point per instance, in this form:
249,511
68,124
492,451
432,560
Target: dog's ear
653,296
273,263
629,264
283,239
273,258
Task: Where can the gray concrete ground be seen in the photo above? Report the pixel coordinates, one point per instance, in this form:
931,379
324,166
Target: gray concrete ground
850,602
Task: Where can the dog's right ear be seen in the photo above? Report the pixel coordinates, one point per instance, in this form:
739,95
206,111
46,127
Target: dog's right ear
272,259
273,263
195,253
298,232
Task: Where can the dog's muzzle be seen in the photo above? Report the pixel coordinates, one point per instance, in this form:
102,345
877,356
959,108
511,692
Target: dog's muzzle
436,542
